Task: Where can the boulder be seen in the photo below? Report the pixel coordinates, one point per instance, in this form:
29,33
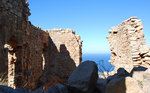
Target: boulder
39,90
123,85
101,85
5,89
138,74
146,81
121,72
61,88
53,90
21,90
83,78
146,85
50,80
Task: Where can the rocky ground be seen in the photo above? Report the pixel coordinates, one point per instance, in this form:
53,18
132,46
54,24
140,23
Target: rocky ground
85,79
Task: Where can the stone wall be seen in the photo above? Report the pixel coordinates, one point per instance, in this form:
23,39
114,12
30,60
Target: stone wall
71,41
65,48
13,16
28,53
128,45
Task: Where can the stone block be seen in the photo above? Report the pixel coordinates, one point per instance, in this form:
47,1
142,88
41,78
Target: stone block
144,49
146,59
123,85
84,78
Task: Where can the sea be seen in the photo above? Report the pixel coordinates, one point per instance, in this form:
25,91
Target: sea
102,61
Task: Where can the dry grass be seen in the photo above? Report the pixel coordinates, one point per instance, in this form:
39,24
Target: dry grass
4,79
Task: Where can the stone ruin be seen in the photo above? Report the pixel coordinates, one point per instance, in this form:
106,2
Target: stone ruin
128,45
32,56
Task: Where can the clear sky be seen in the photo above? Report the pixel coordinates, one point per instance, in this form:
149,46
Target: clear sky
91,19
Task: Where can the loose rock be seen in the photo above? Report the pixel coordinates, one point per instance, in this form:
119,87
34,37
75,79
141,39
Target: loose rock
123,85
84,78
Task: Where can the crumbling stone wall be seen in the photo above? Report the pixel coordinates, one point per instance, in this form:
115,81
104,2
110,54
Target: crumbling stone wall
22,42
65,48
27,52
128,45
71,41
13,13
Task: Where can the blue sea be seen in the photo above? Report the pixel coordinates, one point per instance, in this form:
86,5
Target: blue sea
101,61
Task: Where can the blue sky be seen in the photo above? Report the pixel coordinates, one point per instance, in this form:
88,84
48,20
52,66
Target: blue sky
91,19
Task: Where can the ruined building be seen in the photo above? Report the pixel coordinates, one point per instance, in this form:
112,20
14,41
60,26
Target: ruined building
30,55
128,45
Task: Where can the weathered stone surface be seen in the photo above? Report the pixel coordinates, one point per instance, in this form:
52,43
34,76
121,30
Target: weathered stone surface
101,85
146,81
66,39
5,89
51,80
138,75
21,90
39,90
146,85
53,90
144,49
142,76
121,72
84,78
65,48
123,85
61,88
128,45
